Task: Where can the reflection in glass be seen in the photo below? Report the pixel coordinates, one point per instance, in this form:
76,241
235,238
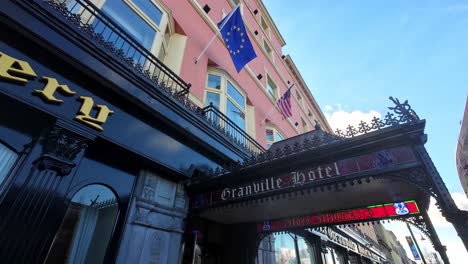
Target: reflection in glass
283,249
269,135
214,81
7,159
235,94
86,228
134,24
212,98
235,114
278,137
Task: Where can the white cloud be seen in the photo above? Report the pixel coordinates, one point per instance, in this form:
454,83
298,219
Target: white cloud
341,119
455,249
328,108
436,217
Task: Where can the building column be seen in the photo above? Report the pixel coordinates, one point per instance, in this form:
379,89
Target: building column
435,239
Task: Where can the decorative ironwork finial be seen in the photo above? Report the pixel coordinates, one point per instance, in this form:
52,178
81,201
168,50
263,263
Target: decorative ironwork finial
403,110
317,125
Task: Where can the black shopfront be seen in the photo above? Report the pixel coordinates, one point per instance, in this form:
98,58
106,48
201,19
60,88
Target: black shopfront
98,147
92,157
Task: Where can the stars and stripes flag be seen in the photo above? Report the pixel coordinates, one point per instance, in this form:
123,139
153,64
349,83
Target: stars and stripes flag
284,103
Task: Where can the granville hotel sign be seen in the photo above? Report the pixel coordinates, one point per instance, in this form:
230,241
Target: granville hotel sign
303,177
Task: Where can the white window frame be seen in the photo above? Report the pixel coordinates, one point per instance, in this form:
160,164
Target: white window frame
223,93
269,51
274,88
276,132
161,28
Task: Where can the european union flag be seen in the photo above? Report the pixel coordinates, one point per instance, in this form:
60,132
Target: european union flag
236,40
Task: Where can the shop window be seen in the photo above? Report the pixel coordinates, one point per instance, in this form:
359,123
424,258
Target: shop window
87,227
7,160
272,89
226,97
272,136
284,248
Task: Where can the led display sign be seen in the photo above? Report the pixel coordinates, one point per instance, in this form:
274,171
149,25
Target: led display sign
374,212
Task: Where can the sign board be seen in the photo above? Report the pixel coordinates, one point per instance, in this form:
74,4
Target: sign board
297,178
412,246
370,213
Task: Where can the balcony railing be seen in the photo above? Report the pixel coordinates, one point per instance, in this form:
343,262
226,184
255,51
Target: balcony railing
228,127
105,32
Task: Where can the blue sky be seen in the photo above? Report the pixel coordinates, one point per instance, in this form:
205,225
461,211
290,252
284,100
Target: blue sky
355,54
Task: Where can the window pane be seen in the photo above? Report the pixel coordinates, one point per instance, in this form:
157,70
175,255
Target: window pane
234,94
86,228
235,114
129,20
285,249
7,159
278,137
149,9
269,135
306,253
271,88
214,81
212,98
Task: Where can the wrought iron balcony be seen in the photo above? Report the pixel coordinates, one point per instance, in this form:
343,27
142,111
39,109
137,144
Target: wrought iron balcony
102,30
233,131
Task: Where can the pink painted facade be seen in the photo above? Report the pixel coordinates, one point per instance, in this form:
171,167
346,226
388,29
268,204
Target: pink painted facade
199,27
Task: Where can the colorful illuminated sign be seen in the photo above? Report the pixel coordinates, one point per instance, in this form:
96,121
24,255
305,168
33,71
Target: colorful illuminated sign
374,212
304,177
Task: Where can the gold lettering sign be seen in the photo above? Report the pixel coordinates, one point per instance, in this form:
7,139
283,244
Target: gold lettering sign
85,110
18,71
15,70
52,85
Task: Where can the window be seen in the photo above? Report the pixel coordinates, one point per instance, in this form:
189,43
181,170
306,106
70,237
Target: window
268,50
86,228
272,136
284,248
226,97
272,88
299,99
7,160
265,27
305,128
310,115
144,20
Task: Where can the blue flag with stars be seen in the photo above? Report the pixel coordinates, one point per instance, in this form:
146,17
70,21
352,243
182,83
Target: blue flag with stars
236,40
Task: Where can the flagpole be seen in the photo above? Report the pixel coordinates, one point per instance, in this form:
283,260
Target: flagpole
271,111
217,33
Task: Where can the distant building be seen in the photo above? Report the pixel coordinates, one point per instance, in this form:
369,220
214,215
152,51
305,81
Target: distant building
393,247
462,151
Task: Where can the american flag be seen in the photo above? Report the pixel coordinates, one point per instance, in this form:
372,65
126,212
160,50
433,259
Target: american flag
284,103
